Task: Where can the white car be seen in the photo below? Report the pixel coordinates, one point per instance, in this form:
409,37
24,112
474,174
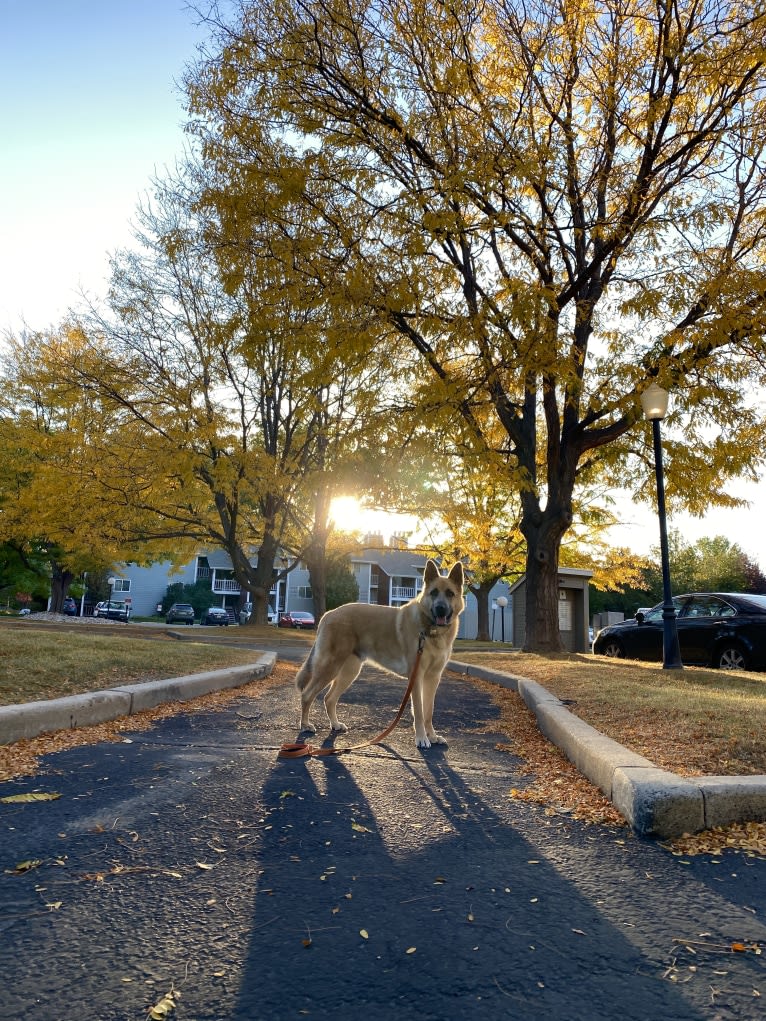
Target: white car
113,609
247,611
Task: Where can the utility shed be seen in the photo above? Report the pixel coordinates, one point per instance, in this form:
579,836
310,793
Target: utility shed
574,609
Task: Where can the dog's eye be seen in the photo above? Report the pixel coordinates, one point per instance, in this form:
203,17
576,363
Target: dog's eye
434,593
449,594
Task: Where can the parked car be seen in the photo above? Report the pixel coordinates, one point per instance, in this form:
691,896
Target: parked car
726,630
297,619
24,611
215,615
247,611
180,613
69,607
113,609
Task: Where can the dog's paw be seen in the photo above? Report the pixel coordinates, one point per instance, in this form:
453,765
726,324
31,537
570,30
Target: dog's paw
437,738
339,728
422,742
308,728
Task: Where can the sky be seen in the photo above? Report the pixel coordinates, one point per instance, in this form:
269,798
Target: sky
91,111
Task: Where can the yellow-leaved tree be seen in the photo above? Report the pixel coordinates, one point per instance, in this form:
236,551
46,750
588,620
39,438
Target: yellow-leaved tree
546,204
203,407
73,489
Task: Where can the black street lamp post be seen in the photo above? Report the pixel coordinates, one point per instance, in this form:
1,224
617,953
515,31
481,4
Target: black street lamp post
654,401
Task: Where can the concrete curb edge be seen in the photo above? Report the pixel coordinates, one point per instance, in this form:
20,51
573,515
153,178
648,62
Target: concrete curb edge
34,718
655,802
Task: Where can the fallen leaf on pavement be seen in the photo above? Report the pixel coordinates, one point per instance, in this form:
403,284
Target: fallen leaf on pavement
25,866
165,1007
32,796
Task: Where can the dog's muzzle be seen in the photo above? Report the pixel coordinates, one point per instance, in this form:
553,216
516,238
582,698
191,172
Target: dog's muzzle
441,614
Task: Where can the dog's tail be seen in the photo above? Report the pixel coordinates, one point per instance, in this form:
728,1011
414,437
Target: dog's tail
303,677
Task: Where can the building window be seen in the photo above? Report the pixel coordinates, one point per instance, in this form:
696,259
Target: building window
121,585
304,592
565,612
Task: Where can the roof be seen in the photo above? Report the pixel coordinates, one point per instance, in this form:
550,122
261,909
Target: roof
563,573
218,558
402,562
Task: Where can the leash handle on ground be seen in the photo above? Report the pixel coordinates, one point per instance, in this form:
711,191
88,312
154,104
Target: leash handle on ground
300,750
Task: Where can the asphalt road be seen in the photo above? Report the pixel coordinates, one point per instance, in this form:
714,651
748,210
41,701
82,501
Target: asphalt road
393,883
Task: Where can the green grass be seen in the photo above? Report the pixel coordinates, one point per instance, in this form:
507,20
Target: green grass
39,664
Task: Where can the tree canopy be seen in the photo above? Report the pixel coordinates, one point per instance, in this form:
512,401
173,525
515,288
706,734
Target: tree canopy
204,406
546,205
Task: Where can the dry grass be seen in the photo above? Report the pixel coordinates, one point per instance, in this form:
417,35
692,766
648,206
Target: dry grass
552,781
43,664
693,722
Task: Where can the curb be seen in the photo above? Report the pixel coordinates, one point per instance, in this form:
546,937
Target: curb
655,802
34,718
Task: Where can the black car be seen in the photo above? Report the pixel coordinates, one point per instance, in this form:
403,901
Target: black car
215,615
726,630
180,613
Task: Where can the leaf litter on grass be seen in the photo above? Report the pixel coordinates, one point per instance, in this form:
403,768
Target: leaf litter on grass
557,785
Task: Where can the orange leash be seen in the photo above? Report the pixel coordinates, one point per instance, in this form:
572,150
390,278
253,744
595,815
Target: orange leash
300,749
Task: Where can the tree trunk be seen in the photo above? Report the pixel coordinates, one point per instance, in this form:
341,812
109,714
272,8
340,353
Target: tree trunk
259,579
59,586
61,579
316,554
541,632
481,594
316,561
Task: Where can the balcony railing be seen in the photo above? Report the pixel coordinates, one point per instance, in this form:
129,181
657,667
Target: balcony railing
226,585
403,592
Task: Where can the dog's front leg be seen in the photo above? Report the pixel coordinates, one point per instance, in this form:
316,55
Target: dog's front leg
416,701
427,736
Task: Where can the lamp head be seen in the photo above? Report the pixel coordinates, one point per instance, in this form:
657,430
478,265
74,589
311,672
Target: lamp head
654,401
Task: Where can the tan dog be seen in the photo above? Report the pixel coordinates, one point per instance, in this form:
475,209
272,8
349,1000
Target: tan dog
389,636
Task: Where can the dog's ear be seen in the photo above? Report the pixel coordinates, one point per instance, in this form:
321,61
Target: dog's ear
457,576
431,572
